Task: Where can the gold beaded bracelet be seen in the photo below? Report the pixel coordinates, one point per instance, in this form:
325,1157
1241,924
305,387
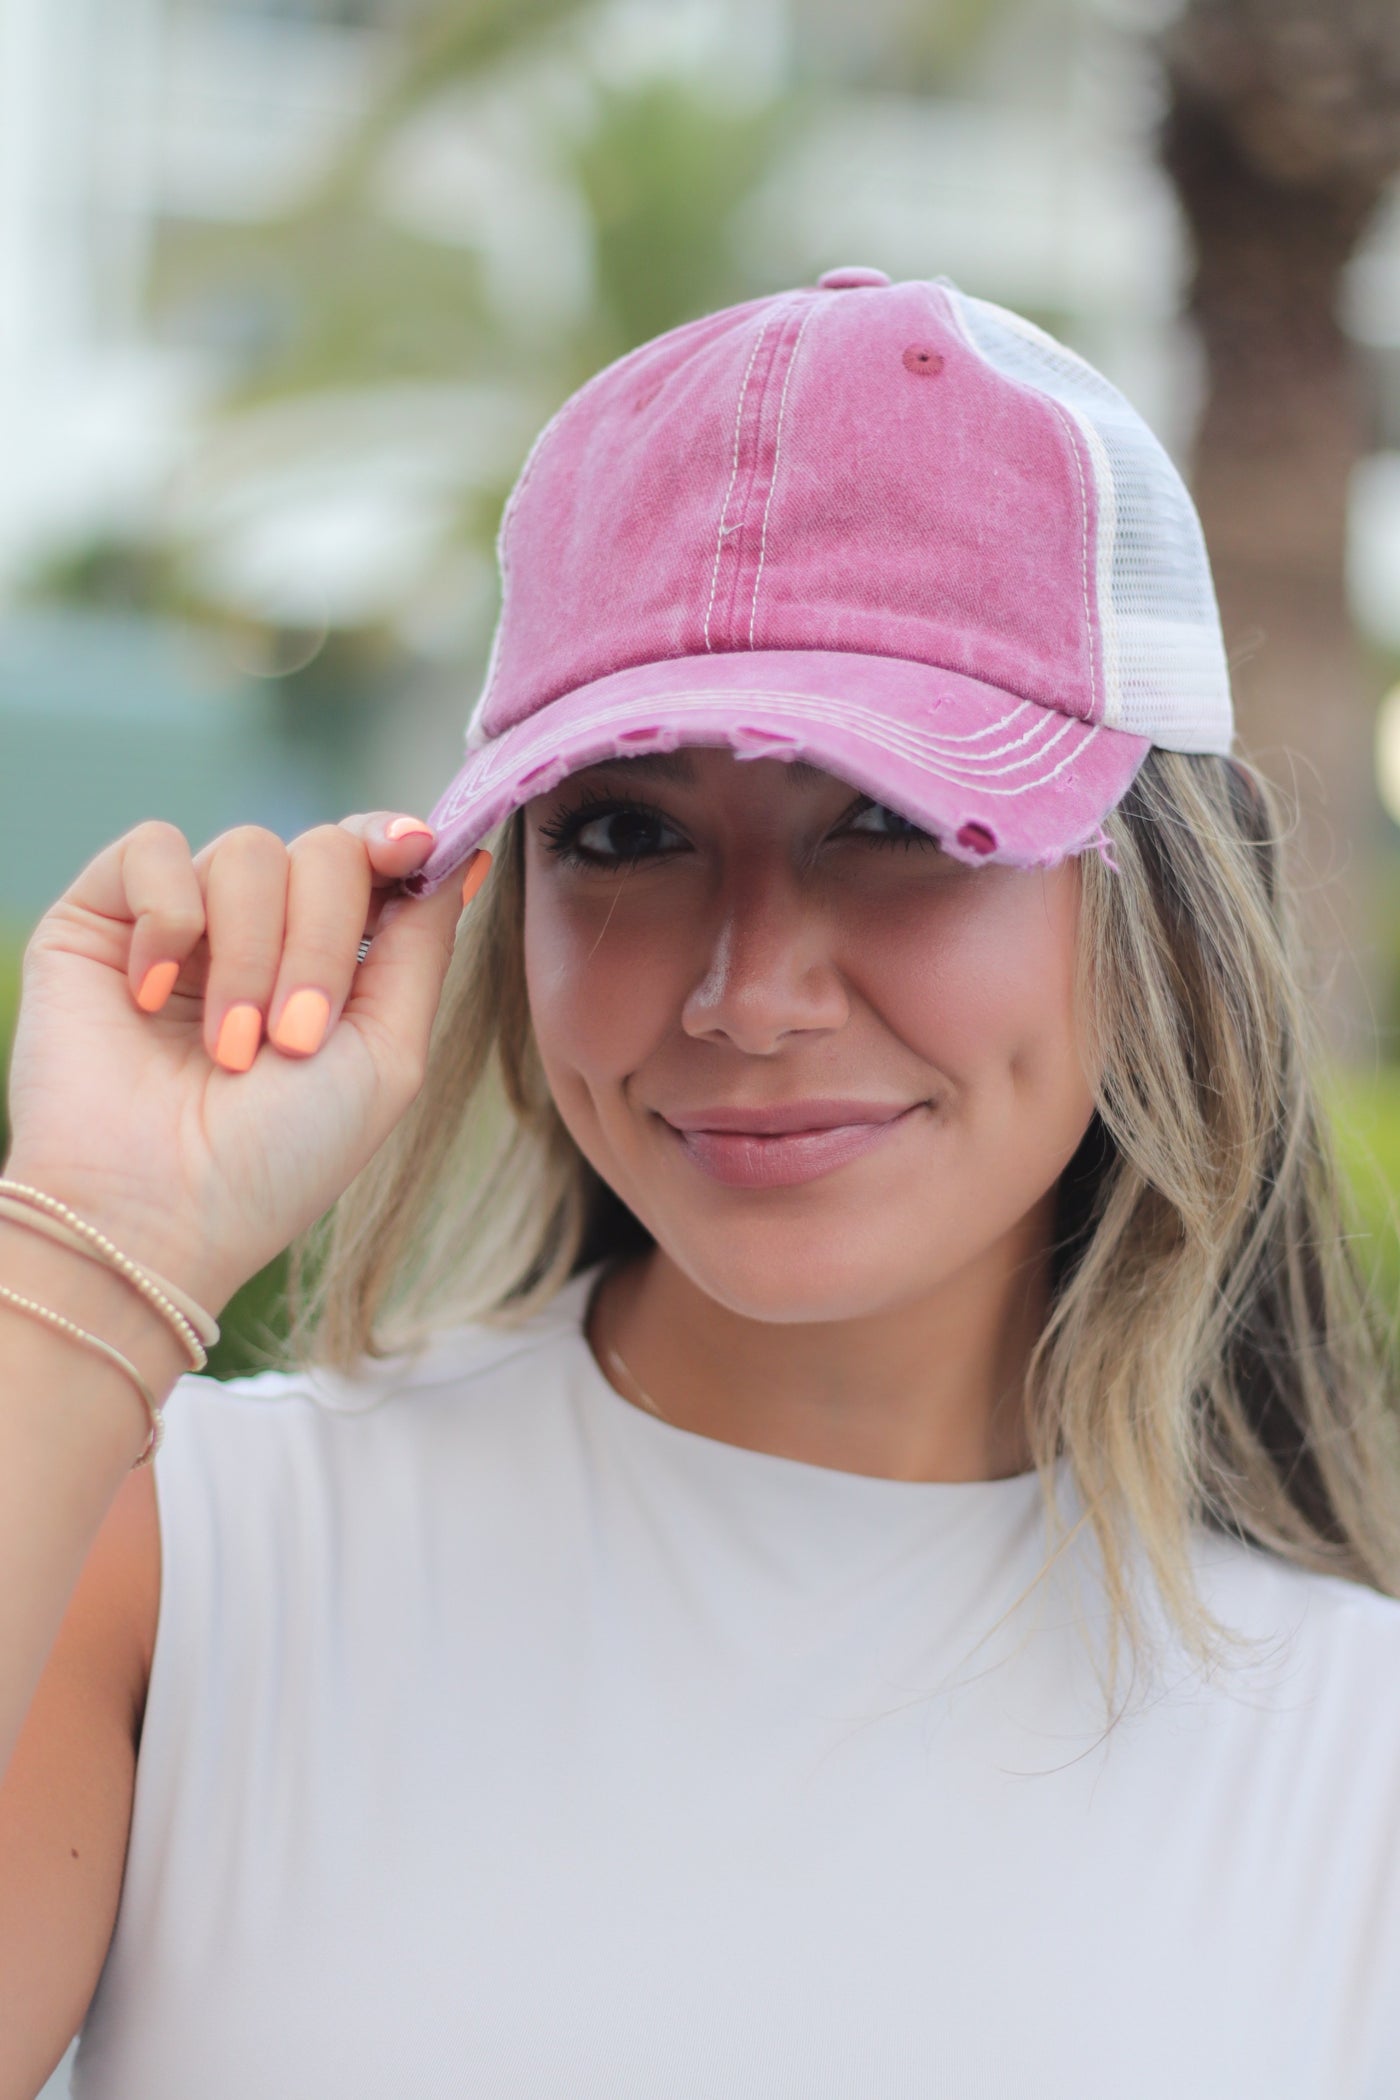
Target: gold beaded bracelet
93,1341
196,1329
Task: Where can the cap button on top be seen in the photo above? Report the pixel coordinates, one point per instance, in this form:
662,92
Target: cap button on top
850,274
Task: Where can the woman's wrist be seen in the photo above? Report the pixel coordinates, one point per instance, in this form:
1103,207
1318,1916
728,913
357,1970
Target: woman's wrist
94,1297
148,1236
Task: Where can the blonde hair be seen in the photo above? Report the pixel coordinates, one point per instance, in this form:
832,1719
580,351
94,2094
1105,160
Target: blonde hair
1214,1352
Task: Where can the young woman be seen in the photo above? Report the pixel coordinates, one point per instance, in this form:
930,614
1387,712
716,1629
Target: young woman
830,1523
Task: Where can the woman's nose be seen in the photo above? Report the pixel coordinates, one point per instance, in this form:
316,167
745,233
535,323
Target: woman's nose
766,962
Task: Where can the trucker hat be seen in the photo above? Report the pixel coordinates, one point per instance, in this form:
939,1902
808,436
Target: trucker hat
891,528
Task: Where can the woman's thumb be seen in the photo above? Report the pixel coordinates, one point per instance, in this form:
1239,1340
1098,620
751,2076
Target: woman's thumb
399,983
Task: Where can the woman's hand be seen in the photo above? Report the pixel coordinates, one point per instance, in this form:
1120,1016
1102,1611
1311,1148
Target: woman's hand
200,1065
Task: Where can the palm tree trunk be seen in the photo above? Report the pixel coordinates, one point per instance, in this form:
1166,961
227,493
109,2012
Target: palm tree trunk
1275,208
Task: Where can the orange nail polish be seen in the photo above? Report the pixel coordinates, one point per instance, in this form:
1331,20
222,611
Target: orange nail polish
405,827
302,1022
156,986
478,868
239,1034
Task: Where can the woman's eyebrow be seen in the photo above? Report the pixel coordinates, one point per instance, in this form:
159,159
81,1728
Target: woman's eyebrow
678,766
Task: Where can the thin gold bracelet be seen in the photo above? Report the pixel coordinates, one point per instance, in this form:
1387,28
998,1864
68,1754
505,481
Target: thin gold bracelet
93,1341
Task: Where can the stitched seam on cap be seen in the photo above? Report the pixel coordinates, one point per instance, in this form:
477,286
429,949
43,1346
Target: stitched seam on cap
722,528
1106,538
512,504
1040,394
1068,429
808,706
773,478
923,750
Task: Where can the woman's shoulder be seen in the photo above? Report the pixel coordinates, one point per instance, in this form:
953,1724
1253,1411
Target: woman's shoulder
461,1358
1305,1626
310,1472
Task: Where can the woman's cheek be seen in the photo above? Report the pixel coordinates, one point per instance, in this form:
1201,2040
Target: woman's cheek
952,972
977,979
598,982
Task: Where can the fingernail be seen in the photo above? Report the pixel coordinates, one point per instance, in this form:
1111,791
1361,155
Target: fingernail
478,868
156,986
405,827
239,1033
302,1022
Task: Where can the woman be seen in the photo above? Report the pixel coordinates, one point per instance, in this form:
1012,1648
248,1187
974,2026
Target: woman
830,1522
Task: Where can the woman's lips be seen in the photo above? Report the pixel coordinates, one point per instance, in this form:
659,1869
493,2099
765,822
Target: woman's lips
745,1161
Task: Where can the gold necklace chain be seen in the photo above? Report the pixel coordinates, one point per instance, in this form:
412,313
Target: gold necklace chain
635,1383
615,1356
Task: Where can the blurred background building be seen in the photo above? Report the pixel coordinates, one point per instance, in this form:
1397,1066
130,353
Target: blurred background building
288,286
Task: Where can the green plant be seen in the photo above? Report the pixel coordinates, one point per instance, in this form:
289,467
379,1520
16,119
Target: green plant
11,950
251,1323
1366,1119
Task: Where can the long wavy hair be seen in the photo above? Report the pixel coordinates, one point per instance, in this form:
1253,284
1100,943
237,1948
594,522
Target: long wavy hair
1215,1352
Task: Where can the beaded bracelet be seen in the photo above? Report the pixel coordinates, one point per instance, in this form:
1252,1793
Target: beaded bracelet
93,1341
195,1327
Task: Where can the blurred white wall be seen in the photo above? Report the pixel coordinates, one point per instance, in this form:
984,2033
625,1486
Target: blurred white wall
113,114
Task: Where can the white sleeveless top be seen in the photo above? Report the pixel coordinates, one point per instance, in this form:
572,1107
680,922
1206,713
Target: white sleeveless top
504,1740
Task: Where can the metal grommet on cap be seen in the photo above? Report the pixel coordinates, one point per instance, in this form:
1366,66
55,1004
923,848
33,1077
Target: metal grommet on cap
847,274
923,359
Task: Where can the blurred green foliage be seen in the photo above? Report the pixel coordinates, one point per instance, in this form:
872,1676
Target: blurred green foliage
12,942
251,1324
335,294
1365,1109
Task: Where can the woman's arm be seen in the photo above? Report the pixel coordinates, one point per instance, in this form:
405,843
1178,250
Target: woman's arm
159,1087
65,1802
79,1596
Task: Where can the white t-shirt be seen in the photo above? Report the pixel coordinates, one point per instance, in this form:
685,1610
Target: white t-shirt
506,1741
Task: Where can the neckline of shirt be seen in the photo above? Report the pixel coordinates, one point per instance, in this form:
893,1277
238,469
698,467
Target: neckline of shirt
1009,1492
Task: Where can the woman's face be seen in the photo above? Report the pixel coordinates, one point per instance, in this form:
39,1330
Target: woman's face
744,934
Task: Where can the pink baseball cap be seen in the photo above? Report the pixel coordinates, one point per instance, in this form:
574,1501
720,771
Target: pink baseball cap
890,528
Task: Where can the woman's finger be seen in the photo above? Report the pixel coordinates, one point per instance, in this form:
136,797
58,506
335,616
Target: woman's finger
396,844
328,894
398,987
166,905
245,873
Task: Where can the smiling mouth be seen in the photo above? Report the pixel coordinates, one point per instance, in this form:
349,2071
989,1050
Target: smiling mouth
757,1160
790,1119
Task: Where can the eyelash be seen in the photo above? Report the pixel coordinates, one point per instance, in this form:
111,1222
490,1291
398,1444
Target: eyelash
561,830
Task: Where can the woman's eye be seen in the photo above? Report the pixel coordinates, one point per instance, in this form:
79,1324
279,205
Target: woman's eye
622,834
610,837
903,833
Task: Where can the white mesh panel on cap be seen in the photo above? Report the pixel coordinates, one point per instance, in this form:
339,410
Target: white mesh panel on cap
1166,675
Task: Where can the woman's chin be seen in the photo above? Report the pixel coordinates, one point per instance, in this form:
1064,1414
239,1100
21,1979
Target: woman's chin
788,1277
